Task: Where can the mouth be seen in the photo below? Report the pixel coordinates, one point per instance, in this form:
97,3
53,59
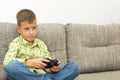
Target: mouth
31,37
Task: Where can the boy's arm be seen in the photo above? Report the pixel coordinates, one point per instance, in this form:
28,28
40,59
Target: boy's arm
11,54
44,48
46,52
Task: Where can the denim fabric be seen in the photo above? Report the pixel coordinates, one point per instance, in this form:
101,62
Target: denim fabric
68,72
17,71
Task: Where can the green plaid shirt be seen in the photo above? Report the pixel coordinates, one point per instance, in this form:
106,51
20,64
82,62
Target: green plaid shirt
19,49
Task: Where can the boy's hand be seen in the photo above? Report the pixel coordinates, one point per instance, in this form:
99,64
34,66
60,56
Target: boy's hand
36,63
55,68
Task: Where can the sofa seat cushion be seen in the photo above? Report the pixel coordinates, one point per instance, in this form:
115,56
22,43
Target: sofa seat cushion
94,47
111,75
2,73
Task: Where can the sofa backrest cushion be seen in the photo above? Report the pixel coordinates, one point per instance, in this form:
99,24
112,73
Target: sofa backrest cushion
54,36
7,34
94,47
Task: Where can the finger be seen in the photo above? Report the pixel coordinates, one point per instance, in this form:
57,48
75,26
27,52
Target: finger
55,69
45,60
59,62
43,64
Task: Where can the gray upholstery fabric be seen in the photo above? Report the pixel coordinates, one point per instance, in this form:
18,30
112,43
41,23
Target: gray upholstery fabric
2,72
7,33
111,75
52,34
94,47
54,37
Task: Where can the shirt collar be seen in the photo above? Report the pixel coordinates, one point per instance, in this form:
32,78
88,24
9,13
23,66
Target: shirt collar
25,42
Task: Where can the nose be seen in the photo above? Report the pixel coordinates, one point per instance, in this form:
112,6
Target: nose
31,31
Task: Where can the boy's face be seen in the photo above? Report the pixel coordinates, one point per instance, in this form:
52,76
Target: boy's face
28,30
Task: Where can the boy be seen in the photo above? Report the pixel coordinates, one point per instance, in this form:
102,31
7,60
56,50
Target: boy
26,56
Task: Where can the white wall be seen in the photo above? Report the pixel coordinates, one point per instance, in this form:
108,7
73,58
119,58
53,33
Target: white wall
64,11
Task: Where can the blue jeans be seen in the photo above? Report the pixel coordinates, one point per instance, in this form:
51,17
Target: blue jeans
17,71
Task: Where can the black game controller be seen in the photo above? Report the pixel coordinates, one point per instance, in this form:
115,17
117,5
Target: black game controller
52,63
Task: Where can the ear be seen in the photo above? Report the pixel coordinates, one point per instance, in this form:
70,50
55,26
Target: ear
18,29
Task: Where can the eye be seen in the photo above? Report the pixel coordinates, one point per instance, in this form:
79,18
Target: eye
26,28
34,27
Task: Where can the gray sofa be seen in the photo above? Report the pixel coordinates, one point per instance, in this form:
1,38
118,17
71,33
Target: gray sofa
95,48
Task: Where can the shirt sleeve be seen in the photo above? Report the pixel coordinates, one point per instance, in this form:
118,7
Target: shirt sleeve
11,54
46,52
